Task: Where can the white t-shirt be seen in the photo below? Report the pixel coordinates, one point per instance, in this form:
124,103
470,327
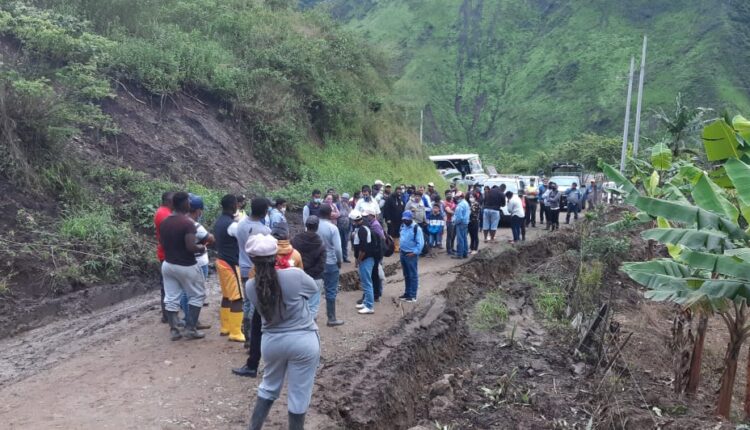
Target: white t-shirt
515,207
372,205
200,235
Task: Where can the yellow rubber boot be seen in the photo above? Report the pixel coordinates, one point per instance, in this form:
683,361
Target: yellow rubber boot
235,327
224,321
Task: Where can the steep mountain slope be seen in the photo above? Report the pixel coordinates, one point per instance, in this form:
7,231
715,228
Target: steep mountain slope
521,74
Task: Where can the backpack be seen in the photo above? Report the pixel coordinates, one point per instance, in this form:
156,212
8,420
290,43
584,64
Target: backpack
389,247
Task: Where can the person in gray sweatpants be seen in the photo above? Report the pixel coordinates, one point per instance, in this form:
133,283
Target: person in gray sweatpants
180,269
290,345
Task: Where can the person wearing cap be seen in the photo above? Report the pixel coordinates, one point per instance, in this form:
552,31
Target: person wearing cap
372,222
431,189
331,238
366,246
241,206
573,196
392,211
251,321
384,195
290,343
278,213
412,241
202,237
543,188
344,225
461,221
591,195
313,206
228,272
531,196
164,210
180,270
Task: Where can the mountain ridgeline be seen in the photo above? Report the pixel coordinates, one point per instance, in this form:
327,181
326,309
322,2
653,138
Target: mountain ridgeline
524,75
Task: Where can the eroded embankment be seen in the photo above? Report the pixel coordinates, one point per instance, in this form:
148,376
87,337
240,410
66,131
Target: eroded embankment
385,386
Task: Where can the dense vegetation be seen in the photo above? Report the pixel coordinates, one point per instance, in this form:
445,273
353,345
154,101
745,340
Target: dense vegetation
518,77
309,97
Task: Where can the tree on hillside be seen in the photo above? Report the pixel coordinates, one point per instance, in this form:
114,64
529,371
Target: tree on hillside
682,126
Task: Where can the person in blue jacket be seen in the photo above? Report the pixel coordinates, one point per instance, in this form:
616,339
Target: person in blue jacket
461,221
411,241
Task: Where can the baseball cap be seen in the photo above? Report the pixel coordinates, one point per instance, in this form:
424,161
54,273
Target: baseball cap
430,184
196,202
378,182
388,185
355,215
312,220
345,196
407,215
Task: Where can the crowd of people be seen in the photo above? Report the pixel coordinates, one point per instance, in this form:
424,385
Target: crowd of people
271,284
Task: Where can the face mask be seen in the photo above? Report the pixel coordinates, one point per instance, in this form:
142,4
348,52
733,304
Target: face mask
407,222
283,210
368,198
415,199
472,199
318,200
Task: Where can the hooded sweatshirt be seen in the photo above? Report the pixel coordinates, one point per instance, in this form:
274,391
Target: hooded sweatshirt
313,253
287,256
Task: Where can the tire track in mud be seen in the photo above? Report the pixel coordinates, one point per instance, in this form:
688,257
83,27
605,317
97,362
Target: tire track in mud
385,386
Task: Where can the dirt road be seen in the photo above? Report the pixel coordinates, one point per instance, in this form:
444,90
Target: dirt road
116,368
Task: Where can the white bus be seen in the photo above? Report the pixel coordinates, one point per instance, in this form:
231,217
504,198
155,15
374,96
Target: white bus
457,164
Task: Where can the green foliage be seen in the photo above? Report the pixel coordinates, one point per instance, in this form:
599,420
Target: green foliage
550,297
491,312
608,249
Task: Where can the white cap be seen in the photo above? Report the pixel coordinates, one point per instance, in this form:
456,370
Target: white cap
261,245
369,211
355,215
378,182
431,184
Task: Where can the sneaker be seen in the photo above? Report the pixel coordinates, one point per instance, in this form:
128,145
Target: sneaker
404,298
411,300
359,302
366,311
473,252
360,306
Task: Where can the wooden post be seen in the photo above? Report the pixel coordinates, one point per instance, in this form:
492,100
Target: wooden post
642,75
628,103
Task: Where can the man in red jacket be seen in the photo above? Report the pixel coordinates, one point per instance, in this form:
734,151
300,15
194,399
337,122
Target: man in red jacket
161,214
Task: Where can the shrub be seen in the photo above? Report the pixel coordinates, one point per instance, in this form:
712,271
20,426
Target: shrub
490,312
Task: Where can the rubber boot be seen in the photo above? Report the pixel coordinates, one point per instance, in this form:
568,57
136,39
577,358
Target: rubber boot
262,408
224,321
202,326
191,321
331,312
235,322
296,421
172,318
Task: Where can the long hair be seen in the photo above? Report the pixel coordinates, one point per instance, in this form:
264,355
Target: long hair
267,288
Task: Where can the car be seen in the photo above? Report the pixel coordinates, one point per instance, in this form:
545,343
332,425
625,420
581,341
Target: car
469,179
563,185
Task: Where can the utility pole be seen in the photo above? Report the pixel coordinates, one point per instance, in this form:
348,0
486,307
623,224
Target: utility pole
636,136
421,125
624,152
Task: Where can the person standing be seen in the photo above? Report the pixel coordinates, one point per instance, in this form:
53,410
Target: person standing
331,238
251,322
461,220
552,203
449,206
367,202
494,199
312,207
543,188
228,272
203,237
344,225
419,215
329,201
592,195
436,225
161,214
412,241
372,222
291,345
531,195
278,213
517,215
474,223
392,211
366,246
180,268
287,256
573,201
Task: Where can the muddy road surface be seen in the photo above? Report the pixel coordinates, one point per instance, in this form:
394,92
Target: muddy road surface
116,368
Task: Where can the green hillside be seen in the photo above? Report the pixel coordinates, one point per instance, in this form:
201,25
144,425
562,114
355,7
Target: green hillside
520,75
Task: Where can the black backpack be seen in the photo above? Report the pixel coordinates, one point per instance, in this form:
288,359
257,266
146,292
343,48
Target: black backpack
389,247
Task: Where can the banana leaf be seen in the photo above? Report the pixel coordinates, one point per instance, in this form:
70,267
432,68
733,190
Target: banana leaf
653,183
710,197
689,173
697,240
661,157
742,126
729,289
638,219
725,265
631,193
690,215
720,141
671,192
739,173
674,250
741,253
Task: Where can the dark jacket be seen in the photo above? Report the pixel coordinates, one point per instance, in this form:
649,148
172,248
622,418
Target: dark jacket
313,253
392,211
495,199
226,245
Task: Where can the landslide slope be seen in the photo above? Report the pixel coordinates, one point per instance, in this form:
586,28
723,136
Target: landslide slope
520,75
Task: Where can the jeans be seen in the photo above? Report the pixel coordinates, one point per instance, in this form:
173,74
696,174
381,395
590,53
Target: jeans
490,219
474,235
542,213
434,239
531,212
377,283
314,302
344,234
450,241
553,216
462,247
331,281
365,279
574,208
515,226
411,275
